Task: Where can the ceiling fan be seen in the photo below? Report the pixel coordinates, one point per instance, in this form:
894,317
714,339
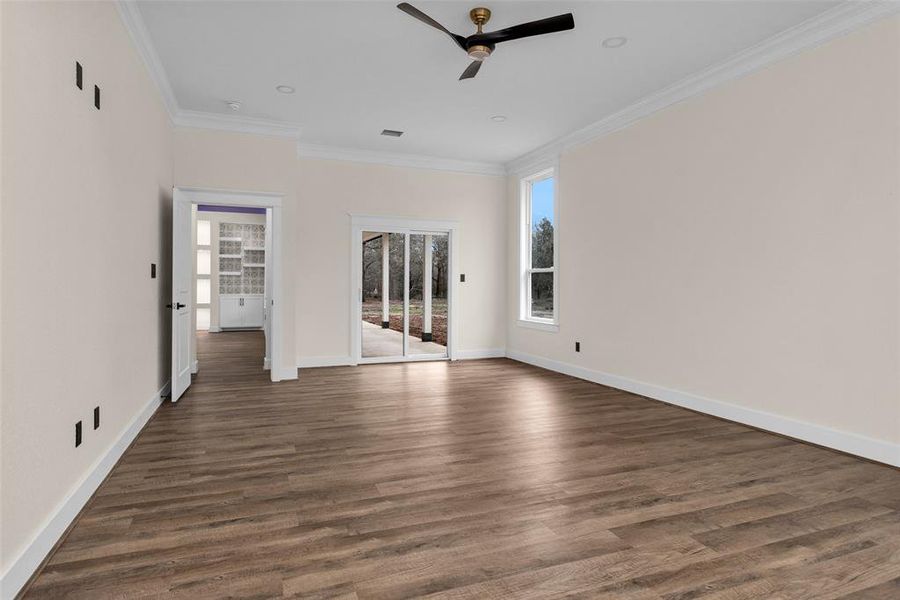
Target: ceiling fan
480,44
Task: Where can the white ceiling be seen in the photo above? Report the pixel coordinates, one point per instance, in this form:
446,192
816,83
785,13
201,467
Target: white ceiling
360,67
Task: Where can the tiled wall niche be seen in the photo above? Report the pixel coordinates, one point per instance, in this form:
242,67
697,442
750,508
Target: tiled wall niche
242,258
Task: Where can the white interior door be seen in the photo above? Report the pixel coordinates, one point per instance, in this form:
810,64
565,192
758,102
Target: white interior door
181,296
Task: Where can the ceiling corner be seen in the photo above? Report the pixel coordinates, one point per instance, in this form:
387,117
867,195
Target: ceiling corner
134,24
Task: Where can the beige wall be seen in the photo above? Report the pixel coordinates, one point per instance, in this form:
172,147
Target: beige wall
330,190
319,197
743,245
86,199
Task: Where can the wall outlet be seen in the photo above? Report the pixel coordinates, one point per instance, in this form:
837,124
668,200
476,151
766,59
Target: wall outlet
152,270
462,277
96,417
577,346
77,434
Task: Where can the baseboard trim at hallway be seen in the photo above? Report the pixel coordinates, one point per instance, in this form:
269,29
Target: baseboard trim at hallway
24,566
851,443
481,353
311,362
286,373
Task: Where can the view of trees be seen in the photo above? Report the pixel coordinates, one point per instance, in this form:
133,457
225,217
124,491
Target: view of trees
372,267
372,290
541,257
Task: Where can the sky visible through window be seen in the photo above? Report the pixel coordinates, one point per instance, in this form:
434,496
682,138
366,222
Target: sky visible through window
541,201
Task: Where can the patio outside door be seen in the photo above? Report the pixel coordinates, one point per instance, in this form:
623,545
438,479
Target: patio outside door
404,296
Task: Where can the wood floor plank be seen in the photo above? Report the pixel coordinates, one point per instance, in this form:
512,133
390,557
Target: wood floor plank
477,479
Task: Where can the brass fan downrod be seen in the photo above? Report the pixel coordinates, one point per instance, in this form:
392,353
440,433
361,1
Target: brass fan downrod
480,15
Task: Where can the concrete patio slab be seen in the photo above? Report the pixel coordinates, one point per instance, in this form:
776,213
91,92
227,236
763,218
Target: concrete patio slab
378,342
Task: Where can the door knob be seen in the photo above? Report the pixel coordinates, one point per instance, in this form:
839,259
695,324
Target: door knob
178,305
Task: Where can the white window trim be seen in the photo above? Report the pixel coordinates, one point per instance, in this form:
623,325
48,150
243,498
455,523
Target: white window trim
206,305
206,276
525,319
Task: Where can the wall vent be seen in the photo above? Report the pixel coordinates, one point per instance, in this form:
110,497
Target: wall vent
391,132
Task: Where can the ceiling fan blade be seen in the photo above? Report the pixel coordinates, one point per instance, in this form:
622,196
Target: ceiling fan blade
418,14
548,25
471,70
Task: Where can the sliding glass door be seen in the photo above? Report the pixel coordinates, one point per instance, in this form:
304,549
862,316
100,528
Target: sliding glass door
428,266
404,296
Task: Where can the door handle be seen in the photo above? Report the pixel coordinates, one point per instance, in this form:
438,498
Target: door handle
178,306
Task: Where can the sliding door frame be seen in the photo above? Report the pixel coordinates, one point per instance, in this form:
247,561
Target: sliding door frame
407,226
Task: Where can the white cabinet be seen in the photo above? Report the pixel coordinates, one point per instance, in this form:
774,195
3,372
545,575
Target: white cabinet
230,311
240,311
253,311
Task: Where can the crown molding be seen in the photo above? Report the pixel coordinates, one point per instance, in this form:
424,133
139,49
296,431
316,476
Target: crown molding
415,161
134,24
838,21
813,32
235,123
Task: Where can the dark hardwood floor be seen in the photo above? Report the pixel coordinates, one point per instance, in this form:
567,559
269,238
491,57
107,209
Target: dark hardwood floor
480,479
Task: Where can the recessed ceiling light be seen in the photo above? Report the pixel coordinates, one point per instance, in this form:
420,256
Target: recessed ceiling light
233,105
391,132
614,42
285,89
498,118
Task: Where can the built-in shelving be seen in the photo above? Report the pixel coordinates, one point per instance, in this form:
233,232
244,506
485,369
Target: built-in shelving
242,259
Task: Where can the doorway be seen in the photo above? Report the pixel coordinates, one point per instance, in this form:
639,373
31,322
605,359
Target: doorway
402,306
225,278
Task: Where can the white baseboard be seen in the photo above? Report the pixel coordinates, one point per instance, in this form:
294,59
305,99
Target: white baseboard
852,443
286,373
23,567
267,364
309,362
480,353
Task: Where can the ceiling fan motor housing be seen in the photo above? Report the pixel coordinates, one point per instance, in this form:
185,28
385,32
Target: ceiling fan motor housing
479,51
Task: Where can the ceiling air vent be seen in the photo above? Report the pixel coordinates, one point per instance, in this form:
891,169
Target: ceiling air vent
391,132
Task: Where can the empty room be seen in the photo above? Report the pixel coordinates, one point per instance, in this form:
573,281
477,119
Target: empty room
448,300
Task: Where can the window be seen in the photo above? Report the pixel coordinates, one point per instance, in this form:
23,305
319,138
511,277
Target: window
538,250
203,233
204,264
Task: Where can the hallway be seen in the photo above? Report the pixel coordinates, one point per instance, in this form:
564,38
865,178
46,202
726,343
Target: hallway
228,357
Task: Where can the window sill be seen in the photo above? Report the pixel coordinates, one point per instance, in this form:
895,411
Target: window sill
539,325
